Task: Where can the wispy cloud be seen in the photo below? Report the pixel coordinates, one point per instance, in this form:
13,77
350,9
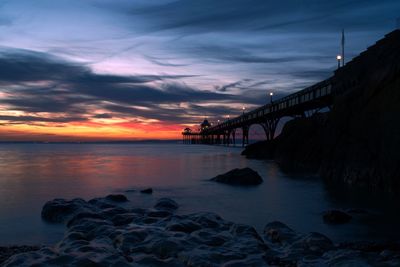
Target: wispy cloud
134,63
35,82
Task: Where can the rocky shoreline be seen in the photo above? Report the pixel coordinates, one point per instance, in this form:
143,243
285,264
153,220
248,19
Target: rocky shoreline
111,232
9,251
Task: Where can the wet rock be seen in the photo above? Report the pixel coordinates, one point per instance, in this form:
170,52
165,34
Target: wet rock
371,246
166,204
123,219
139,211
278,232
312,243
60,210
336,217
82,215
209,220
7,252
101,203
147,191
156,237
185,226
154,261
111,212
148,237
346,258
245,176
159,213
166,248
249,262
117,198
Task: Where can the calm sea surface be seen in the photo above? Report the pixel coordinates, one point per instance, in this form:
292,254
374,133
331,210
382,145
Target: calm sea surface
31,174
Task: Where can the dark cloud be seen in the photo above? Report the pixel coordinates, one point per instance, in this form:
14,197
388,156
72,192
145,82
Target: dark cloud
18,65
164,62
239,15
37,82
103,116
27,119
236,54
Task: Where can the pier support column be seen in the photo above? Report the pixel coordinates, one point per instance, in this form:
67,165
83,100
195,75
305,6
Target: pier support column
245,137
228,137
270,127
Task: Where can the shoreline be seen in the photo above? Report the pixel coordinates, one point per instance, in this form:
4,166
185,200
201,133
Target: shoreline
108,231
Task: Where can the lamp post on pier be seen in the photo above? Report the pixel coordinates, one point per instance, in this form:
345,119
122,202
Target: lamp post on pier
243,108
339,59
271,94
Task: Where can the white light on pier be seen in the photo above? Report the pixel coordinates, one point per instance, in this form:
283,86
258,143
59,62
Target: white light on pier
339,59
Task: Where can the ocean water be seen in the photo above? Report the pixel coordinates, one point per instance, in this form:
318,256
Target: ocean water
31,174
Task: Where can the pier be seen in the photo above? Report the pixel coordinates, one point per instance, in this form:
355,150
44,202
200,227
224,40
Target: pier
303,103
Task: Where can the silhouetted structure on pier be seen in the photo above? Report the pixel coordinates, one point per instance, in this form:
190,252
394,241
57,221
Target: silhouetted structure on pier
310,100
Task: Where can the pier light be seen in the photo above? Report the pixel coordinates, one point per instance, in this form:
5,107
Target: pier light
338,58
243,108
218,121
271,94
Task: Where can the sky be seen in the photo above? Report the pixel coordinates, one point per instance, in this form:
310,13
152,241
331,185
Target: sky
91,70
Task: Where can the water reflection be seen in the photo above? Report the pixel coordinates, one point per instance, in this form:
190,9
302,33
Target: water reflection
35,173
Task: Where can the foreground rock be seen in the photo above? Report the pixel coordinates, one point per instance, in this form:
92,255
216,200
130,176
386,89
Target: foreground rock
60,210
116,236
104,234
147,191
7,252
117,198
244,176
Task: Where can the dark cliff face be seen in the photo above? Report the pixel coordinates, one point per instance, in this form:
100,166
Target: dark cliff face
299,146
358,142
363,136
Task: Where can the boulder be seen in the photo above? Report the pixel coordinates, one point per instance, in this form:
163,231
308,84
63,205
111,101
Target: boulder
152,237
312,243
60,210
117,198
245,176
336,217
166,204
147,191
7,252
278,232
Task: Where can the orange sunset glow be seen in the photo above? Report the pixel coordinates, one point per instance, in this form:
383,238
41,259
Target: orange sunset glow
94,70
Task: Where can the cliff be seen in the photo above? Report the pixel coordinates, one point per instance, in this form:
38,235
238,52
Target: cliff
358,142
